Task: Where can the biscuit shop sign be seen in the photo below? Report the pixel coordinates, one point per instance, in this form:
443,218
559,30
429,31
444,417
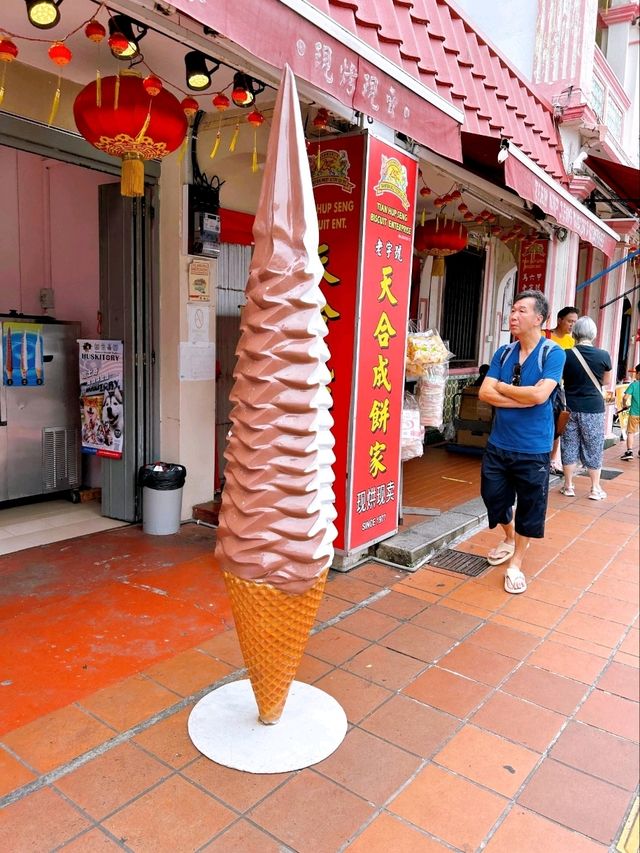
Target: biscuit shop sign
365,198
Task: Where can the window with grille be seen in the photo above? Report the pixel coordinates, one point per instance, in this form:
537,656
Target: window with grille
462,305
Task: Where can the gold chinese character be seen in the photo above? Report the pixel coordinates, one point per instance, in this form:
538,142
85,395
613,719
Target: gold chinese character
330,313
381,374
379,415
377,466
384,331
385,286
323,252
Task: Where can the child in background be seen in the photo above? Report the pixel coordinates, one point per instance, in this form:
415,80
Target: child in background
632,399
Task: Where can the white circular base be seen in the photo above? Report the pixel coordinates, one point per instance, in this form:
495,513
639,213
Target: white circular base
224,726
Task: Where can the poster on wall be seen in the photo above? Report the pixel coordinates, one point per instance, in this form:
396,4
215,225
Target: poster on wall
532,269
22,362
365,200
101,397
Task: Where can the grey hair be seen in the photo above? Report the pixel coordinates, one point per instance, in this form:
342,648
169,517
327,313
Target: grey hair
541,304
584,329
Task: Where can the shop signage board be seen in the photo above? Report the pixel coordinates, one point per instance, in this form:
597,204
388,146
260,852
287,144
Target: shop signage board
365,198
101,397
532,269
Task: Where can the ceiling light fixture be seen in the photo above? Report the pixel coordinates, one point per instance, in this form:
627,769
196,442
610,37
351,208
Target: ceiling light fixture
245,89
121,29
43,14
198,74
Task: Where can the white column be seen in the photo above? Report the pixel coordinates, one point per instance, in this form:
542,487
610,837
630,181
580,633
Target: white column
610,319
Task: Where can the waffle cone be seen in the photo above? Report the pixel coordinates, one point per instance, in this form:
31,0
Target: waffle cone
273,628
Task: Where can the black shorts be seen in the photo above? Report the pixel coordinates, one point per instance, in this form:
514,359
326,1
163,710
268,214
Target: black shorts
508,475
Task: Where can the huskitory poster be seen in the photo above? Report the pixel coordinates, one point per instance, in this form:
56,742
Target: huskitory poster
101,397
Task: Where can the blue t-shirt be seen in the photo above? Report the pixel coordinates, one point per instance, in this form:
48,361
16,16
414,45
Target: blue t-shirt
529,430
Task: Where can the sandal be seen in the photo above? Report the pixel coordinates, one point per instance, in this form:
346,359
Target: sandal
598,495
554,471
568,491
501,554
514,581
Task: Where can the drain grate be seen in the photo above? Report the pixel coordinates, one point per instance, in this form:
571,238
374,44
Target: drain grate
458,561
605,473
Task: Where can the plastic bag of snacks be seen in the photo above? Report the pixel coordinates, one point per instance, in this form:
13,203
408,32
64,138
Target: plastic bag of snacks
423,349
412,434
431,390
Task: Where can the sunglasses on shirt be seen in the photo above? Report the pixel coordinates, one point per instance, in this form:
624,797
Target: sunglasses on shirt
515,379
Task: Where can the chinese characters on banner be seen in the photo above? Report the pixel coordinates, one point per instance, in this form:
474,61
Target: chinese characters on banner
101,397
365,198
532,269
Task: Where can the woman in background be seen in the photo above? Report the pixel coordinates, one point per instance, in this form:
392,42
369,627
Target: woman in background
583,437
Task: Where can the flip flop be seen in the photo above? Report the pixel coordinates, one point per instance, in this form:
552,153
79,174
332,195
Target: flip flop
501,554
514,581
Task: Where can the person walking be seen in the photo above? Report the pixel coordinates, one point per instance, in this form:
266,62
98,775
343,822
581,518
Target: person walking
519,384
631,398
587,368
565,320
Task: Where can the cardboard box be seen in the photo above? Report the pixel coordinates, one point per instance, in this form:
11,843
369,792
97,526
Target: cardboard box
472,438
472,409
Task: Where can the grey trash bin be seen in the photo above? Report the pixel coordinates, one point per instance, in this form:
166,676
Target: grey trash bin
162,484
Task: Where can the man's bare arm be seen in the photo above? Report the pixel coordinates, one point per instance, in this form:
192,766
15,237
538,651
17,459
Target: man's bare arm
528,395
489,393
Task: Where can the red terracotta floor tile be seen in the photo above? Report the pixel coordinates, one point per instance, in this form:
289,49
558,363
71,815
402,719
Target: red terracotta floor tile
13,774
428,580
370,767
487,759
387,668
311,669
449,807
470,609
605,607
42,815
517,625
56,738
480,664
479,595
240,791
566,661
582,645
576,800
529,610
358,696
611,713
627,660
505,641
444,620
224,647
330,607
410,725
378,574
416,642
109,781
335,646
598,753
631,643
349,588
173,816
327,816
552,593
523,831
518,720
169,740
621,680
399,606
622,590
188,672
93,841
545,689
417,593
567,575
369,624
387,834
447,691
242,837
129,702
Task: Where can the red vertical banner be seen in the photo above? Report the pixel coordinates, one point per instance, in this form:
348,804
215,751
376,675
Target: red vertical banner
532,269
365,197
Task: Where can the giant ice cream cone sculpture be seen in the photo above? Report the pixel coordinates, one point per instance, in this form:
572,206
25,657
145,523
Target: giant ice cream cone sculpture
276,523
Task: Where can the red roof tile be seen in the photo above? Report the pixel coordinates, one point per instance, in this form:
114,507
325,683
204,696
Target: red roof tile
432,41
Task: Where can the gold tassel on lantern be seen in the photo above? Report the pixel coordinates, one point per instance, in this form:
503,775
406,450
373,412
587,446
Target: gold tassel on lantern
2,76
216,145
145,125
234,138
254,159
98,88
55,103
116,92
132,177
437,269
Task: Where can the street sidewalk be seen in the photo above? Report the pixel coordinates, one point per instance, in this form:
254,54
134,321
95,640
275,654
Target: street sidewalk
478,720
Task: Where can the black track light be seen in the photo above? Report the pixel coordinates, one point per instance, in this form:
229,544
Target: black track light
198,74
43,14
122,26
245,89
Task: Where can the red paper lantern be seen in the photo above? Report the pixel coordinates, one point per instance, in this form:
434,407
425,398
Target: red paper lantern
152,85
425,191
139,129
118,43
221,102
8,50
60,53
468,216
455,195
255,118
321,120
463,208
189,107
440,237
95,31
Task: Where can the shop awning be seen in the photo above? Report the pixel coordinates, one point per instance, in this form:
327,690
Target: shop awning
624,181
534,185
325,55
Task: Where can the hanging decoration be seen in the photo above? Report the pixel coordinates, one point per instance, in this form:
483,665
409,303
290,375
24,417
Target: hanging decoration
141,127
440,237
221,103
255,118
8,52
95,32
321,120
189,107
60,54
234,138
